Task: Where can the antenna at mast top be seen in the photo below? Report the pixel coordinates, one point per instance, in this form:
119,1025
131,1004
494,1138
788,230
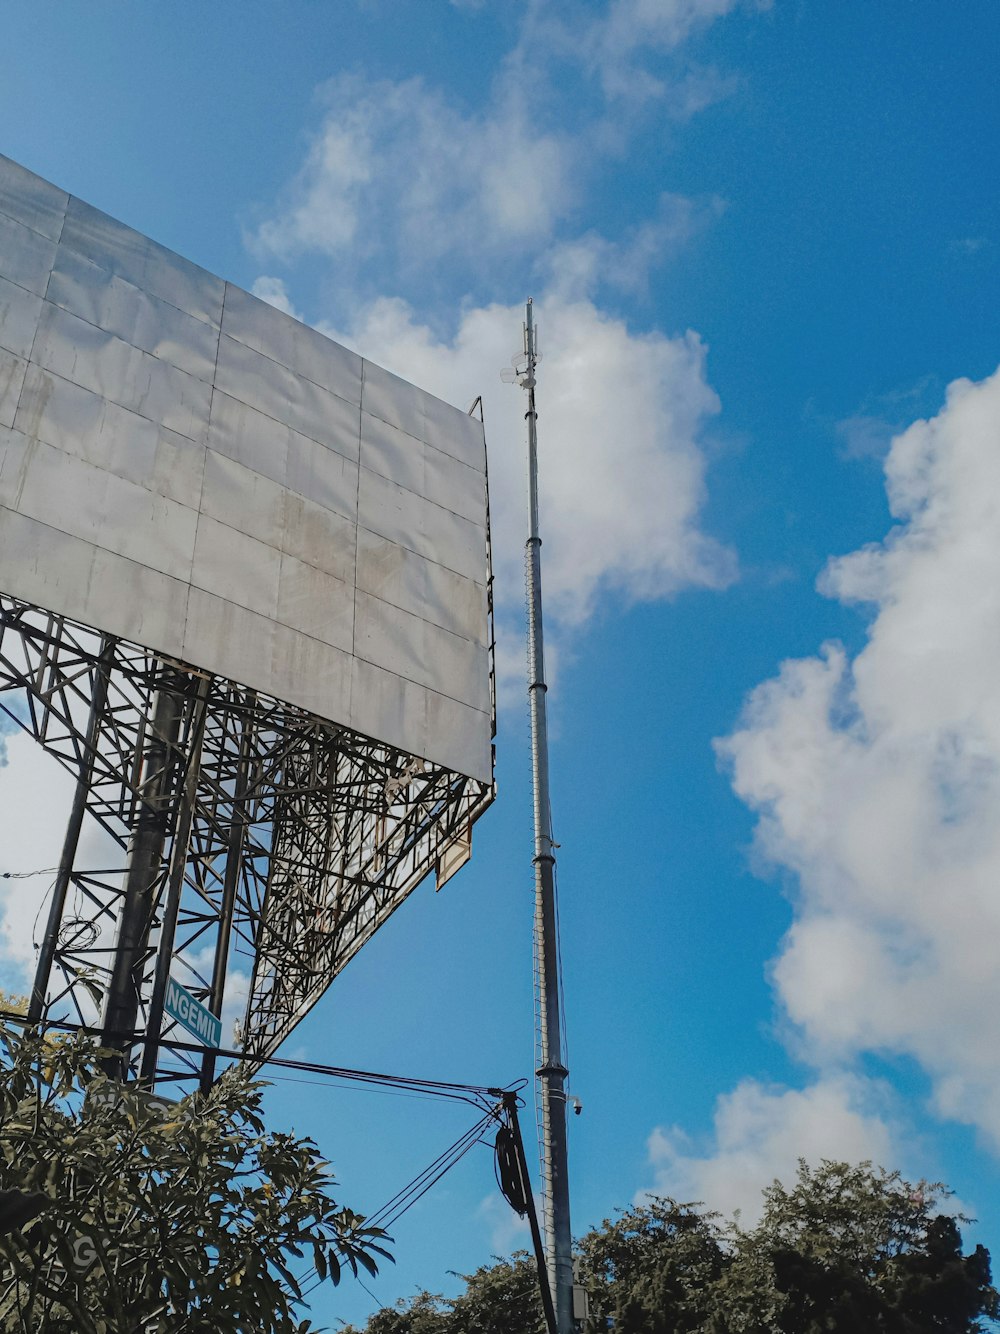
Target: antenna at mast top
522,363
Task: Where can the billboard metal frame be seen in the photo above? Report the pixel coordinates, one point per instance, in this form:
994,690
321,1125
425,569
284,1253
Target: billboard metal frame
245,598
253,830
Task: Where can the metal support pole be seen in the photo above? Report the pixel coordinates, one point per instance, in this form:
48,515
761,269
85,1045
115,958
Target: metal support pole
552,1073
142,874
234,856
179,849
50,941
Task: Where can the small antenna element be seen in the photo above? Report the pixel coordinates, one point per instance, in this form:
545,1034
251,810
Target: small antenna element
552,1072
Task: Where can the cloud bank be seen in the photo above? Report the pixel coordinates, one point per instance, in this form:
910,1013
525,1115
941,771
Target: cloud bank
402,179
405,188
622,470
395,167
876,779
35,795
760,1133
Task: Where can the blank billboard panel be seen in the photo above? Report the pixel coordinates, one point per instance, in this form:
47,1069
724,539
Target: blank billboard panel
188,468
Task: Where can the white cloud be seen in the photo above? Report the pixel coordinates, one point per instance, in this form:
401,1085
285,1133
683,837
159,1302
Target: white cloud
869,432
507,1231
621,418
864,435
760,1133
35,795
877,780
406,182
195,965
275,293
971,245
577,268
401,174
397,167
7,728
618,46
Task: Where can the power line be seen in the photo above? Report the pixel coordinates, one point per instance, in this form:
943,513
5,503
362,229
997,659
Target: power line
502,1102
406,1198
477,1095
349,1088
394,1209
369,1292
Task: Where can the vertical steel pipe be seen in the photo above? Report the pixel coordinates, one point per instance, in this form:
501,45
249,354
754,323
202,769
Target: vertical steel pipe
552,1072
179,849
142,876
227,907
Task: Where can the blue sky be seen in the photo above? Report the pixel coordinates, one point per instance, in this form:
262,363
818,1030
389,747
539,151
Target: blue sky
763,242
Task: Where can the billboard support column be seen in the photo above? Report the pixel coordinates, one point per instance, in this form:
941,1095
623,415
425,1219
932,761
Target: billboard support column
74,825
143,873
179,849
227,906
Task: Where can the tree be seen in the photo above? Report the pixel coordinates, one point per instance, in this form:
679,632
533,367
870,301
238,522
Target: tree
854,1248
499,1298
846,1250
424,1313
185,1222
653,1269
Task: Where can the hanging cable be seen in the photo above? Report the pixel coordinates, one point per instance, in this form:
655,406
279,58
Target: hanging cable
415,1190
406,1198
496,1102
508,1171
476,1095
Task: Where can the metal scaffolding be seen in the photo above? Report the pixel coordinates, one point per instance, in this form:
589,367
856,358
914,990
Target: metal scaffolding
261,846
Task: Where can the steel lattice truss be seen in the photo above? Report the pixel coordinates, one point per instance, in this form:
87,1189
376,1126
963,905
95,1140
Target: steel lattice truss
276,843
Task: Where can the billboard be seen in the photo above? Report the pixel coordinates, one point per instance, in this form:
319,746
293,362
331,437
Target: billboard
185,467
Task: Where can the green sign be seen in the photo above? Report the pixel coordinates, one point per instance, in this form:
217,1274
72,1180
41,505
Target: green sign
183,1007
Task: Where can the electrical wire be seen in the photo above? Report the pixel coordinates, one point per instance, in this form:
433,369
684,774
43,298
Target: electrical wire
350,1088
25,875
370,1294
397,1085
393,1210
476,1095
406,1198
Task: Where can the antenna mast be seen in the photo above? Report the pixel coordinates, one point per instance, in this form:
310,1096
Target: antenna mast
552,1072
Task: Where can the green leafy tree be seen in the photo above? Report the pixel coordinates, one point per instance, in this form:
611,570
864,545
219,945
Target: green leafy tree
425,1313
652,1269
183,1222
498,1299
846,1250
854,1248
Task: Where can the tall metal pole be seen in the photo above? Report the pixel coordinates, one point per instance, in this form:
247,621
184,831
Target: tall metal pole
552,1073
